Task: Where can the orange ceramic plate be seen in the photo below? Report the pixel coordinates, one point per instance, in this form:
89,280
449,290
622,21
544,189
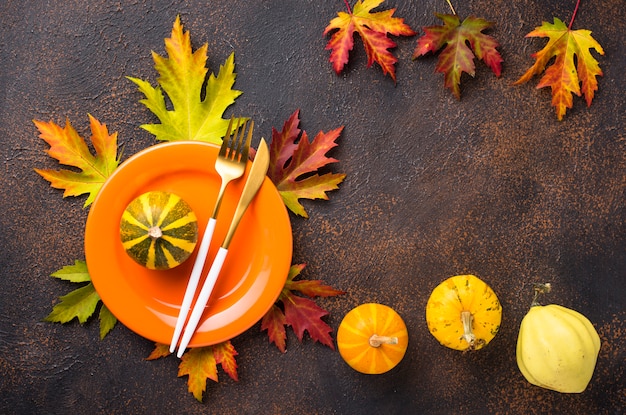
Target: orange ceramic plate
147,301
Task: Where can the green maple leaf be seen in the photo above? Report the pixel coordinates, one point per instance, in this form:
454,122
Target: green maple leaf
107,321
197,109
82,302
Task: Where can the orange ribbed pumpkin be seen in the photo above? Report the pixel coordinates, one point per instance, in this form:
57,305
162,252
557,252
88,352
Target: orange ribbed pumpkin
372,338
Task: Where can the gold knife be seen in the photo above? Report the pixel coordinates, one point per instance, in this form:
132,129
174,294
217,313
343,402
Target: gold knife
258,171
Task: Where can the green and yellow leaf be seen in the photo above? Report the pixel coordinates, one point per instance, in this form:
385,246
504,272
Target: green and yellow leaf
197,110
80,303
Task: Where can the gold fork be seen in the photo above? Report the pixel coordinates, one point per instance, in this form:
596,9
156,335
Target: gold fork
230,165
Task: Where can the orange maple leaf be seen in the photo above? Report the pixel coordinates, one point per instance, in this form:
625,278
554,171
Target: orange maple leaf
291,164
200,364
458,40
372,28
71,150
564,77
301,313
160,350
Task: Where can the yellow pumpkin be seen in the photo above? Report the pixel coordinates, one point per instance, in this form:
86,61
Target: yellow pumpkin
557,347
463,313
372,338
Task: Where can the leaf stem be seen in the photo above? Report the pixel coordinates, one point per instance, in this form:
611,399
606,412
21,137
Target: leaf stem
452,8
348,6
571,22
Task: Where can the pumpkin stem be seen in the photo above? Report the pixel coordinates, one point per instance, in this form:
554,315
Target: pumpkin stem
155,232
377,341
540,288
468,334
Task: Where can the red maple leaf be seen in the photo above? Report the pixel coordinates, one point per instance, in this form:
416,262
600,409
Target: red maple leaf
372,28
293,166
301,313
459,40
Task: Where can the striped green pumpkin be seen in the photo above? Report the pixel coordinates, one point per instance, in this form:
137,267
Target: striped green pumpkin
159,230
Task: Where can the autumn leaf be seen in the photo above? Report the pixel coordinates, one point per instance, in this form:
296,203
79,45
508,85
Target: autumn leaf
225,356
198,104
200,364
80,303
107,321
293,166
458,40
573,64
372,28
301,313
73,273
71,150
160,350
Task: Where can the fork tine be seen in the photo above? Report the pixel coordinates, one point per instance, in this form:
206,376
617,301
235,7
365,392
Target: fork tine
246,146
227,136
236,144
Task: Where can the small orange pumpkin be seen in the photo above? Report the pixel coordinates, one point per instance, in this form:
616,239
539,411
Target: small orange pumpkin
463,313
372,338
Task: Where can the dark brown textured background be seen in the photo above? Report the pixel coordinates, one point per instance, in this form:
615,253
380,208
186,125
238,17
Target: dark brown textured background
492,185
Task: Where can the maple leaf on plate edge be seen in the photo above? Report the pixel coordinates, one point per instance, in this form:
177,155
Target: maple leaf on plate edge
372,28
80,303
70,149
564,77
301,313
457,56
200,364
289,161
182,78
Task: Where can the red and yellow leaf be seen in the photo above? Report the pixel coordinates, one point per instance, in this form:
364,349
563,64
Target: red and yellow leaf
573,66
200,364
372,28
301,313
70,149
274,322
459,40
293,166
225,356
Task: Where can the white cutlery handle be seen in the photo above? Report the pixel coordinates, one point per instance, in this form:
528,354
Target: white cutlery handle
202,300
192,285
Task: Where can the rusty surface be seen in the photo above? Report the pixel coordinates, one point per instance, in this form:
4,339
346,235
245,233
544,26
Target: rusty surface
492,185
